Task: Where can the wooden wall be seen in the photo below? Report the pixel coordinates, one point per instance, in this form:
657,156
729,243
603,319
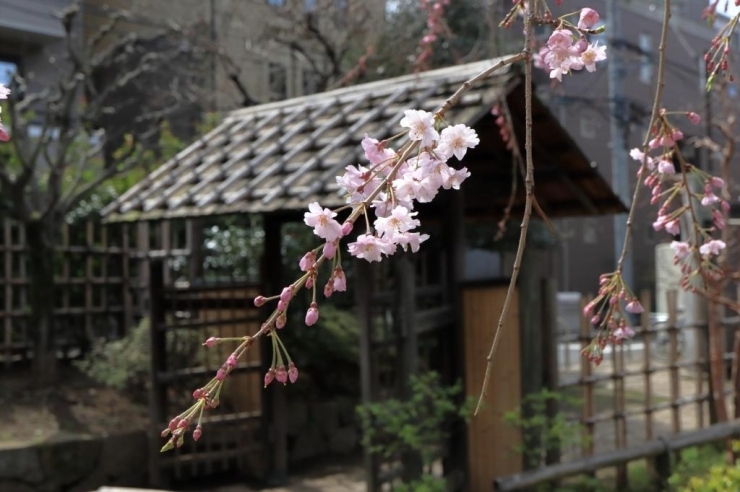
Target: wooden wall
491,443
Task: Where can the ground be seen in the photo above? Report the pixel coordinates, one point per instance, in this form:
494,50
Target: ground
74,406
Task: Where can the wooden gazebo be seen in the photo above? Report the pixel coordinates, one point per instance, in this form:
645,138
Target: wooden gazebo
416,311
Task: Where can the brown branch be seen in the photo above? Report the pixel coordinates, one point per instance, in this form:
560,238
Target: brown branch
529,190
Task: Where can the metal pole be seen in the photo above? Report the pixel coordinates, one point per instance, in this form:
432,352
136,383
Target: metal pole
618,135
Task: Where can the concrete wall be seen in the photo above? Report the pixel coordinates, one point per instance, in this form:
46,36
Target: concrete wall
75,465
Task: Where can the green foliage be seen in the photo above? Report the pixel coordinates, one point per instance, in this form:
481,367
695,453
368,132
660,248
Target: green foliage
542,430
427,483
705,470
420,424
124,364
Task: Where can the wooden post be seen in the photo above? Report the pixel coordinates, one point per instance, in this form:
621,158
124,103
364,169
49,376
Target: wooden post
128,305
675,388
158,365
588,391
406,309
8,308
550,353
274,405
363,297
194,244
89,273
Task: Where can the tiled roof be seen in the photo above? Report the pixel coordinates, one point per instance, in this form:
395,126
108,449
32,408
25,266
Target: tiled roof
284,155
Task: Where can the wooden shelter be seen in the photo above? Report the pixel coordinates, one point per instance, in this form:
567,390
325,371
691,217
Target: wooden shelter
416,311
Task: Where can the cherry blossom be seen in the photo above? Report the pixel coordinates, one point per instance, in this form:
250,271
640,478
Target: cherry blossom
370,248
322,220
593,54
400,220
713,247
421,126
456,140
588,19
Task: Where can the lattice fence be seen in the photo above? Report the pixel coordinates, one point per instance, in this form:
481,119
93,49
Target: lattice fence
93,275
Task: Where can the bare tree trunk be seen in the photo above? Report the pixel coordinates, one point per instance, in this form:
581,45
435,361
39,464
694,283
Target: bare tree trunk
40,237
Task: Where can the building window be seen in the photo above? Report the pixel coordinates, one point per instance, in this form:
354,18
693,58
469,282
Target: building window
646,58
278,82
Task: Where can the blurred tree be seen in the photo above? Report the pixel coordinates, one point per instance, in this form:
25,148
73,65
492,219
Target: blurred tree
98,123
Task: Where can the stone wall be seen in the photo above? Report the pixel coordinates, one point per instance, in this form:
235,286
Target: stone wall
322,428
75,465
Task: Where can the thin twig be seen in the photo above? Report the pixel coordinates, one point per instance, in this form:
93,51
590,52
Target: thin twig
653,118
529,190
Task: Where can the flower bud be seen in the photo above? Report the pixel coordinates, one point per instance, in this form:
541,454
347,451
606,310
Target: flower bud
260,301
281,375
269,377
280,321
346,228
309,282
312,315
330,249
197,432
173,424
307,261
635,307
211,342
292,372
232,361
221,374
287,294
693,117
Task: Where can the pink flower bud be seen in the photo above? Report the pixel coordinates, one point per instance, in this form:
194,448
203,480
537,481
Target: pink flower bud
165,432
613,300
232,361
634,307
198,394
330,249
197,432
221,374
676,135
292,372
307,261
309,282
346,228
260,301
287,294
329,288
312,315
693,117
281,375
173,424
588,19
340,280
588,310
269,377
595,319
280,321
211,342
282,306
182,424
717,182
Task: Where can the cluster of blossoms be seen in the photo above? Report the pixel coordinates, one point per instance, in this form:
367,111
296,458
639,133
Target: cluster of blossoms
717,58
567,49
608,312
389,184
678,201
436,26
4,93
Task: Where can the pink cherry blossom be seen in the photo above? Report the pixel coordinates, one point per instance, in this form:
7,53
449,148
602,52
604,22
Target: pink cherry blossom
594,53
666,167
211,342
330,249
588,19
374,153
634,307
322,220
456,140
421,126
709,199
673,227
411,240
281,374
713,247
623,333
400,220
681,249
269,377
370,248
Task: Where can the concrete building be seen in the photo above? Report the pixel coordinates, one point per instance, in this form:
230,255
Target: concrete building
244,32
582,105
